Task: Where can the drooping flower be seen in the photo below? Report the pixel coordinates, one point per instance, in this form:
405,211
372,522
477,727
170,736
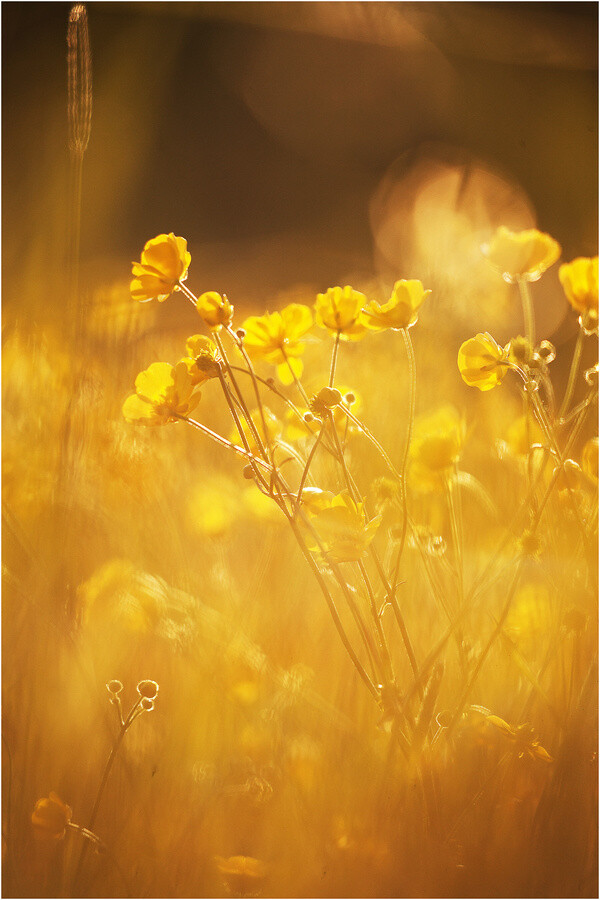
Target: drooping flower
277,338
436,445
482,362
401,309
50,818
339,310
521,254
215,309
164,263
579,279
343,529
163,393
202,360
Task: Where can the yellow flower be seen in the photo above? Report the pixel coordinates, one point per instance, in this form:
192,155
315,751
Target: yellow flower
216,310
589,459
437,442
340,311
522,434
163,392
579,279
164,263
50,818
213,506
276,338
343,529
482,362
274,428
401,309
521,254
202,360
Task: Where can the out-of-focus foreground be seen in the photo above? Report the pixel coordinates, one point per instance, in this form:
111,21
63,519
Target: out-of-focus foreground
357,656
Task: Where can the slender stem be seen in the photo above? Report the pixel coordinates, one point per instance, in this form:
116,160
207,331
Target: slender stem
334,357
456,540
225,443
240,344
572,373
332,607
412,394
297,381
102,785
483,656
383,647
528,313
309,460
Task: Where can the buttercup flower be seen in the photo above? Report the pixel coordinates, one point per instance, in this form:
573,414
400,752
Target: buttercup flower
216,310
340,311
343,529
482,362
401,309
163,392
276,337
521,254
50,818
436,445
579,279
202,360
163,264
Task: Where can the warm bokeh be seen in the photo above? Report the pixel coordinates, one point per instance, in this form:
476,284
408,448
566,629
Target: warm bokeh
300,454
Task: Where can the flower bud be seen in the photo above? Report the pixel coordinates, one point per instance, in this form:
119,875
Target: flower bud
114,687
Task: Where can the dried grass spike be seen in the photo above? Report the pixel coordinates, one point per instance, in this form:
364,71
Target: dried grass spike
79,62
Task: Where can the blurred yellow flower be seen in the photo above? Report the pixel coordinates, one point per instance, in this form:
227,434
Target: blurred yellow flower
401,309
273,425
523,738
589,459
242,875
164,263
202,360
163,392
276,337
343,529
213,506
569,476
436,445
521,254
579,279
50,818
216,310
521,435
340,311
482,362
531,614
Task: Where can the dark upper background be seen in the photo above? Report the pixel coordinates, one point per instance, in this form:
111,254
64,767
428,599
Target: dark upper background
262,131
